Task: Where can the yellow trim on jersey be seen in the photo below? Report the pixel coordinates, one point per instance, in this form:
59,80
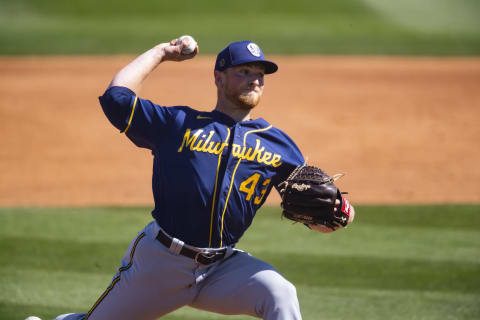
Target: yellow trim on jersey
215,189
226,201
110,287
233,178
131,115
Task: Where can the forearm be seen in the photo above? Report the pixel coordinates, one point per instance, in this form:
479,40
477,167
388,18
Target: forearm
133,74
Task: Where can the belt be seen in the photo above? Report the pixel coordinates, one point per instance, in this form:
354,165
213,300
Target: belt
204,257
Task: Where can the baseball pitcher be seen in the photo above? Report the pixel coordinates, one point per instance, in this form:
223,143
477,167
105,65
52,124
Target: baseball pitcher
212,171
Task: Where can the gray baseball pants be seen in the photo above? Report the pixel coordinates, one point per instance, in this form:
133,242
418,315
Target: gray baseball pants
154,281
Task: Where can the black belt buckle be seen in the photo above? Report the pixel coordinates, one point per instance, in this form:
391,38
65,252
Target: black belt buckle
205,257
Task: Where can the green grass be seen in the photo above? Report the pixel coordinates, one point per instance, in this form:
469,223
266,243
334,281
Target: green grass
427,27
403,262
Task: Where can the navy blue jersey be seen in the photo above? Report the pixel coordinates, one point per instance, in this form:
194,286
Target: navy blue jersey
210,173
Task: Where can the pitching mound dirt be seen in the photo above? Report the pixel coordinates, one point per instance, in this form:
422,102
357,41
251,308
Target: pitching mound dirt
404,130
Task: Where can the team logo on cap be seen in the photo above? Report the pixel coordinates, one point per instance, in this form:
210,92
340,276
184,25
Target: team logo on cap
254,49
221,63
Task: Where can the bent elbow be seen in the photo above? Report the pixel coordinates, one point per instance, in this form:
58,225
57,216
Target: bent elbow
116,104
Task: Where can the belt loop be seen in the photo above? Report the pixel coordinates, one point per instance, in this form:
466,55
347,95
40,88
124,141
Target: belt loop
176,246
229,252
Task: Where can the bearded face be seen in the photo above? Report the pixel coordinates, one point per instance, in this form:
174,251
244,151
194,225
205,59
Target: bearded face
244,85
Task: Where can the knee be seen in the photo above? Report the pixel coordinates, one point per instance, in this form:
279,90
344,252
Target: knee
280,301
283,291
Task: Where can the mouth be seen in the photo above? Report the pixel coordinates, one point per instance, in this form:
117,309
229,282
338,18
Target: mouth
251,95
255,90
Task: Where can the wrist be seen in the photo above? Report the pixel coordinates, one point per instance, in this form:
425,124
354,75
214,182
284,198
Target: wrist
159,52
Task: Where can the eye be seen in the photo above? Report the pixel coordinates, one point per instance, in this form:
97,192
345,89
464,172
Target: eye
245,72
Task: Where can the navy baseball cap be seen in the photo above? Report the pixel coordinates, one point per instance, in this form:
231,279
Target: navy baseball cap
242,52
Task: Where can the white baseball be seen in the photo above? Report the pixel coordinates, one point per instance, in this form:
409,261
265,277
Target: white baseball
191,44
33,318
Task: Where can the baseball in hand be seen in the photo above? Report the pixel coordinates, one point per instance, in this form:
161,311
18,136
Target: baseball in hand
191,44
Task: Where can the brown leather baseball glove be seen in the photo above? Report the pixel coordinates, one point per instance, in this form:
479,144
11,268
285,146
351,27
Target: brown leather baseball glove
309,196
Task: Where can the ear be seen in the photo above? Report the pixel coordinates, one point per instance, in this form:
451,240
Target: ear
219,78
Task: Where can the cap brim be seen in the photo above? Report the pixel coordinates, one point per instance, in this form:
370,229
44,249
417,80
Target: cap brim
270,67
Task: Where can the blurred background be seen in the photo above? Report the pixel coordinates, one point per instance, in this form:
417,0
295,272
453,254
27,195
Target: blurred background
427,27
385,91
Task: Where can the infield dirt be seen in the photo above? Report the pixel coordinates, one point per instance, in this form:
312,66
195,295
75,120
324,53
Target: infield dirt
404,130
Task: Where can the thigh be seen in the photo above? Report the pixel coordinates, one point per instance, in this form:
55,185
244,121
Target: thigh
151,282
244,285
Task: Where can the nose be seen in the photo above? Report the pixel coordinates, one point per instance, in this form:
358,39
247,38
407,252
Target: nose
256,81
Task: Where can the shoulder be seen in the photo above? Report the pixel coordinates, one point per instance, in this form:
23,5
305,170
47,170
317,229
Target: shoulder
182,112
282,134
124,94
116,96
278,140
292,154
282,137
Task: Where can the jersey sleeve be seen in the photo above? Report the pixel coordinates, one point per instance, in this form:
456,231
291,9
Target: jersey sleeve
141,120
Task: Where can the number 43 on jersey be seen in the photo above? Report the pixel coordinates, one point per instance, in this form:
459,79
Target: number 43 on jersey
248,186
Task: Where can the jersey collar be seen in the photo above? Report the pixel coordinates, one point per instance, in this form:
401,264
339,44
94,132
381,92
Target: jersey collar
227,120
